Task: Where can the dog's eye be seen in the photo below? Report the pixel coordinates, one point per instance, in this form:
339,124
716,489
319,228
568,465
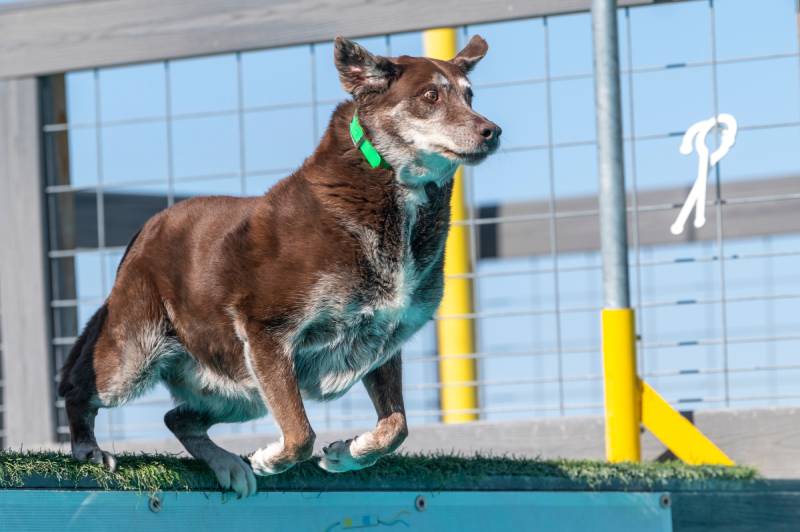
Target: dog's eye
431,95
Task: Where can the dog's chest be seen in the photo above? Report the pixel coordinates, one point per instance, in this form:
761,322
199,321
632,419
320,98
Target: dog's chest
356,325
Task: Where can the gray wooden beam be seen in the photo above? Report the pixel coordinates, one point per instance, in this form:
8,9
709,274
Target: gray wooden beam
578,231
27,372
59,36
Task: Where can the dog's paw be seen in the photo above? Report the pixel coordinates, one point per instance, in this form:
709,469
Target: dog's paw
234,474
338,457
95,455
267,461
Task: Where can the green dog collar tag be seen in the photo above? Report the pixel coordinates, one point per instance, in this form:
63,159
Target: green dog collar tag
361,142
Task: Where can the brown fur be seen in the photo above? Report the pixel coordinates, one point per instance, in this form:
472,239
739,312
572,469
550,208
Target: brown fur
219,282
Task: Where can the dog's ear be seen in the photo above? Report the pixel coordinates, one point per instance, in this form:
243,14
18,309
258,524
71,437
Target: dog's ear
473,52
360,71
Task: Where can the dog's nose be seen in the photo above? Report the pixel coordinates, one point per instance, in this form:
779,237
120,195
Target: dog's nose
491,132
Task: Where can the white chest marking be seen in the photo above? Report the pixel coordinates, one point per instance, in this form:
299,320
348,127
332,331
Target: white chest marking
347,333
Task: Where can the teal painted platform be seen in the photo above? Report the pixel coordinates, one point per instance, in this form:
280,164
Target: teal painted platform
90,511
52,492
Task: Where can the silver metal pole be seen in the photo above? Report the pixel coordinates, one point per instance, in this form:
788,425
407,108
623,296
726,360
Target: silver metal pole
610,166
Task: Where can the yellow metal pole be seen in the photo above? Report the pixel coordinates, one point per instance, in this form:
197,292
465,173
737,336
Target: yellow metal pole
456,336
623,395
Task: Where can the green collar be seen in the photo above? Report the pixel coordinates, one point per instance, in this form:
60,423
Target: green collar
361,142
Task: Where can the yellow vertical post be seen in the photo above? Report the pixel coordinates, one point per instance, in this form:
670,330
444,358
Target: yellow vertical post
623,395
456,336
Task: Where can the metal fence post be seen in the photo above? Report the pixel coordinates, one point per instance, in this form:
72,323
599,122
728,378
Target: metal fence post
622,389
456,336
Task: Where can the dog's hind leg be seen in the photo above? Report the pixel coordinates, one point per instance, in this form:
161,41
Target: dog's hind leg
191,428
77,386
81,414
114,360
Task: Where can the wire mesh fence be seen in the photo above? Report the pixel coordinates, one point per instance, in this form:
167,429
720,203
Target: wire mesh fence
717,308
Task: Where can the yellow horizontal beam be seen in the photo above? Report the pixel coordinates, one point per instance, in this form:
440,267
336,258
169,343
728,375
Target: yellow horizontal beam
678,433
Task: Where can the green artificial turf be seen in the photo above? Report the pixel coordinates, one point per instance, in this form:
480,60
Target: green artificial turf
163,472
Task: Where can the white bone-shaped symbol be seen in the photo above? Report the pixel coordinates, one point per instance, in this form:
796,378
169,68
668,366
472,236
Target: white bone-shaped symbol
697,196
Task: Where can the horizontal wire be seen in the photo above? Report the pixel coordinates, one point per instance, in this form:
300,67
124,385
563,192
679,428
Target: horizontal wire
496,354
646,69
69,340
66,126
595,377
714,258
69,126
719,341
515,148
69,253
598,267
488,314
524,217
579,310
519,218
200,178
57,254
596,349
539,353
720,370
108,185
716,301
710,400
321,418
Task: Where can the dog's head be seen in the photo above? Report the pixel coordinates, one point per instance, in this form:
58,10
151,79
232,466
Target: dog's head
418,111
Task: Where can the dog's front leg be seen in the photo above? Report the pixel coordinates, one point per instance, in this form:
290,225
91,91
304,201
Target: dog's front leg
385,388
279,388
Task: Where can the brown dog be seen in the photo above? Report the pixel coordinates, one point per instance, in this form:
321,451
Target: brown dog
243,305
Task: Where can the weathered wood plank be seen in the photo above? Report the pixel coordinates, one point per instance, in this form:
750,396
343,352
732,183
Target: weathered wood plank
60,36
28,377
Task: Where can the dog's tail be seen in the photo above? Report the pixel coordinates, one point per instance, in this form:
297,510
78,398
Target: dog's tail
84,344
88,338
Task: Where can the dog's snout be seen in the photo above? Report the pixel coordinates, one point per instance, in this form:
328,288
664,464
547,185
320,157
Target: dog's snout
490,131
